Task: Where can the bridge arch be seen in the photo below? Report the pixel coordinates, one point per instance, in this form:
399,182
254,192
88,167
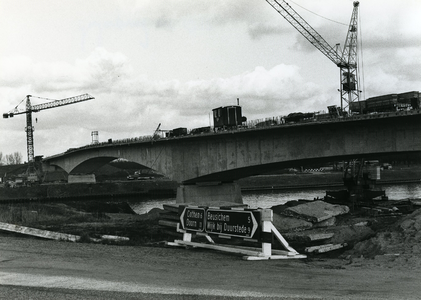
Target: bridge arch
90,165
227,156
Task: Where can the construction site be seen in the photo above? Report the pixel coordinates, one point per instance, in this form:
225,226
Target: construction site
352,242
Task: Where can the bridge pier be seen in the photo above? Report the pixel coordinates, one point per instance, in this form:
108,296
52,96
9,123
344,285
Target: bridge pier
209,193
81,178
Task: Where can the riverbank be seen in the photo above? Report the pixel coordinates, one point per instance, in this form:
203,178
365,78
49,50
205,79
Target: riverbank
376,240
402,174
89,191
385,252
379,241
164,187
88,219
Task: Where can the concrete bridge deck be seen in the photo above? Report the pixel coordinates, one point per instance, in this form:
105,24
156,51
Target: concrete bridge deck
231,155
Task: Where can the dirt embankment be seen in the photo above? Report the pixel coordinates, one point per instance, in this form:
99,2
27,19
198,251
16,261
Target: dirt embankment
392,241
88,219
382,241
396,246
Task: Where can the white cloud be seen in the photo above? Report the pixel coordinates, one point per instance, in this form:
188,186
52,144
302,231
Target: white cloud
131,104
172,62
99,71
170,13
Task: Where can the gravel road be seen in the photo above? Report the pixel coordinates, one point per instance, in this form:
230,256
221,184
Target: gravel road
39,269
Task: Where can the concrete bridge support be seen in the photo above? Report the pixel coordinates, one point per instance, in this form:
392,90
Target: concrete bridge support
209,193
208,165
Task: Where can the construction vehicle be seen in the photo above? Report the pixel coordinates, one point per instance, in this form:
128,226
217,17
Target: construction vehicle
32,173
160,133
359,178
156,135
346,61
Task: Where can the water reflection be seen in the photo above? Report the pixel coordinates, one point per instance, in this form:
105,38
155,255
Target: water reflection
267,199
403,191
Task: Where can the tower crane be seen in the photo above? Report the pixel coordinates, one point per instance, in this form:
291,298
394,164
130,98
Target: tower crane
29,109
346,61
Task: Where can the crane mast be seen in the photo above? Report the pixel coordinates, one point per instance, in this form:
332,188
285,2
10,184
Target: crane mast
29,135
347,61
29,109
350,91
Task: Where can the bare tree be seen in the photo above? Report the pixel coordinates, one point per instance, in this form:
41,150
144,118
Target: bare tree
14,158
1,159
9,159
17,157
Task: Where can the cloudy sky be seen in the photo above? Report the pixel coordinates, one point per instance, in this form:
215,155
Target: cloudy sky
153,61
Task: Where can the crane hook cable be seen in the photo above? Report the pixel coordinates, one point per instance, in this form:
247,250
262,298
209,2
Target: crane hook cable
16,107
318,14
43,98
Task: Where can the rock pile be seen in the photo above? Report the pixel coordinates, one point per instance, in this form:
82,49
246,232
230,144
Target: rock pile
318,226
398,246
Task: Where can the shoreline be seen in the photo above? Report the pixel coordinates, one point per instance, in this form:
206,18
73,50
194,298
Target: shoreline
161,187
88,191
313,186
167,188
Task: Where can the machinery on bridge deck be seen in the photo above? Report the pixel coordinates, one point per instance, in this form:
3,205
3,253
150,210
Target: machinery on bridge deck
228,117
32,172
357,178
346,61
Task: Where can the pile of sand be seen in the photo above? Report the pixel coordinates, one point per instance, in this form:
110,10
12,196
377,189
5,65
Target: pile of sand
398,246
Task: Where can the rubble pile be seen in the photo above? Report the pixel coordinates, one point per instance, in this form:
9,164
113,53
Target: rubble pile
398,246
385,234
319,227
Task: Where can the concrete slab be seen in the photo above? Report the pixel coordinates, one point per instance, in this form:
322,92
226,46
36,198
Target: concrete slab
307,236
316,211
325,223
286,224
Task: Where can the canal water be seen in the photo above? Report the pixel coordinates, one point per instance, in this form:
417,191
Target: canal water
267,199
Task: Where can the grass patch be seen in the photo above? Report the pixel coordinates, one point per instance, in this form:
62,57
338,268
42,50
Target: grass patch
42,214
87,220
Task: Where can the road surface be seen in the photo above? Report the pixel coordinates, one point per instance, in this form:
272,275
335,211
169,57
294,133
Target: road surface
41,269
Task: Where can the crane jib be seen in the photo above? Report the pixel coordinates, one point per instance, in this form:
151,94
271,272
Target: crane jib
346,61
55,103
29,129
62,102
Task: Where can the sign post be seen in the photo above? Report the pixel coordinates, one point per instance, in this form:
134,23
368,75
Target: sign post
234,223
193,219
238,223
